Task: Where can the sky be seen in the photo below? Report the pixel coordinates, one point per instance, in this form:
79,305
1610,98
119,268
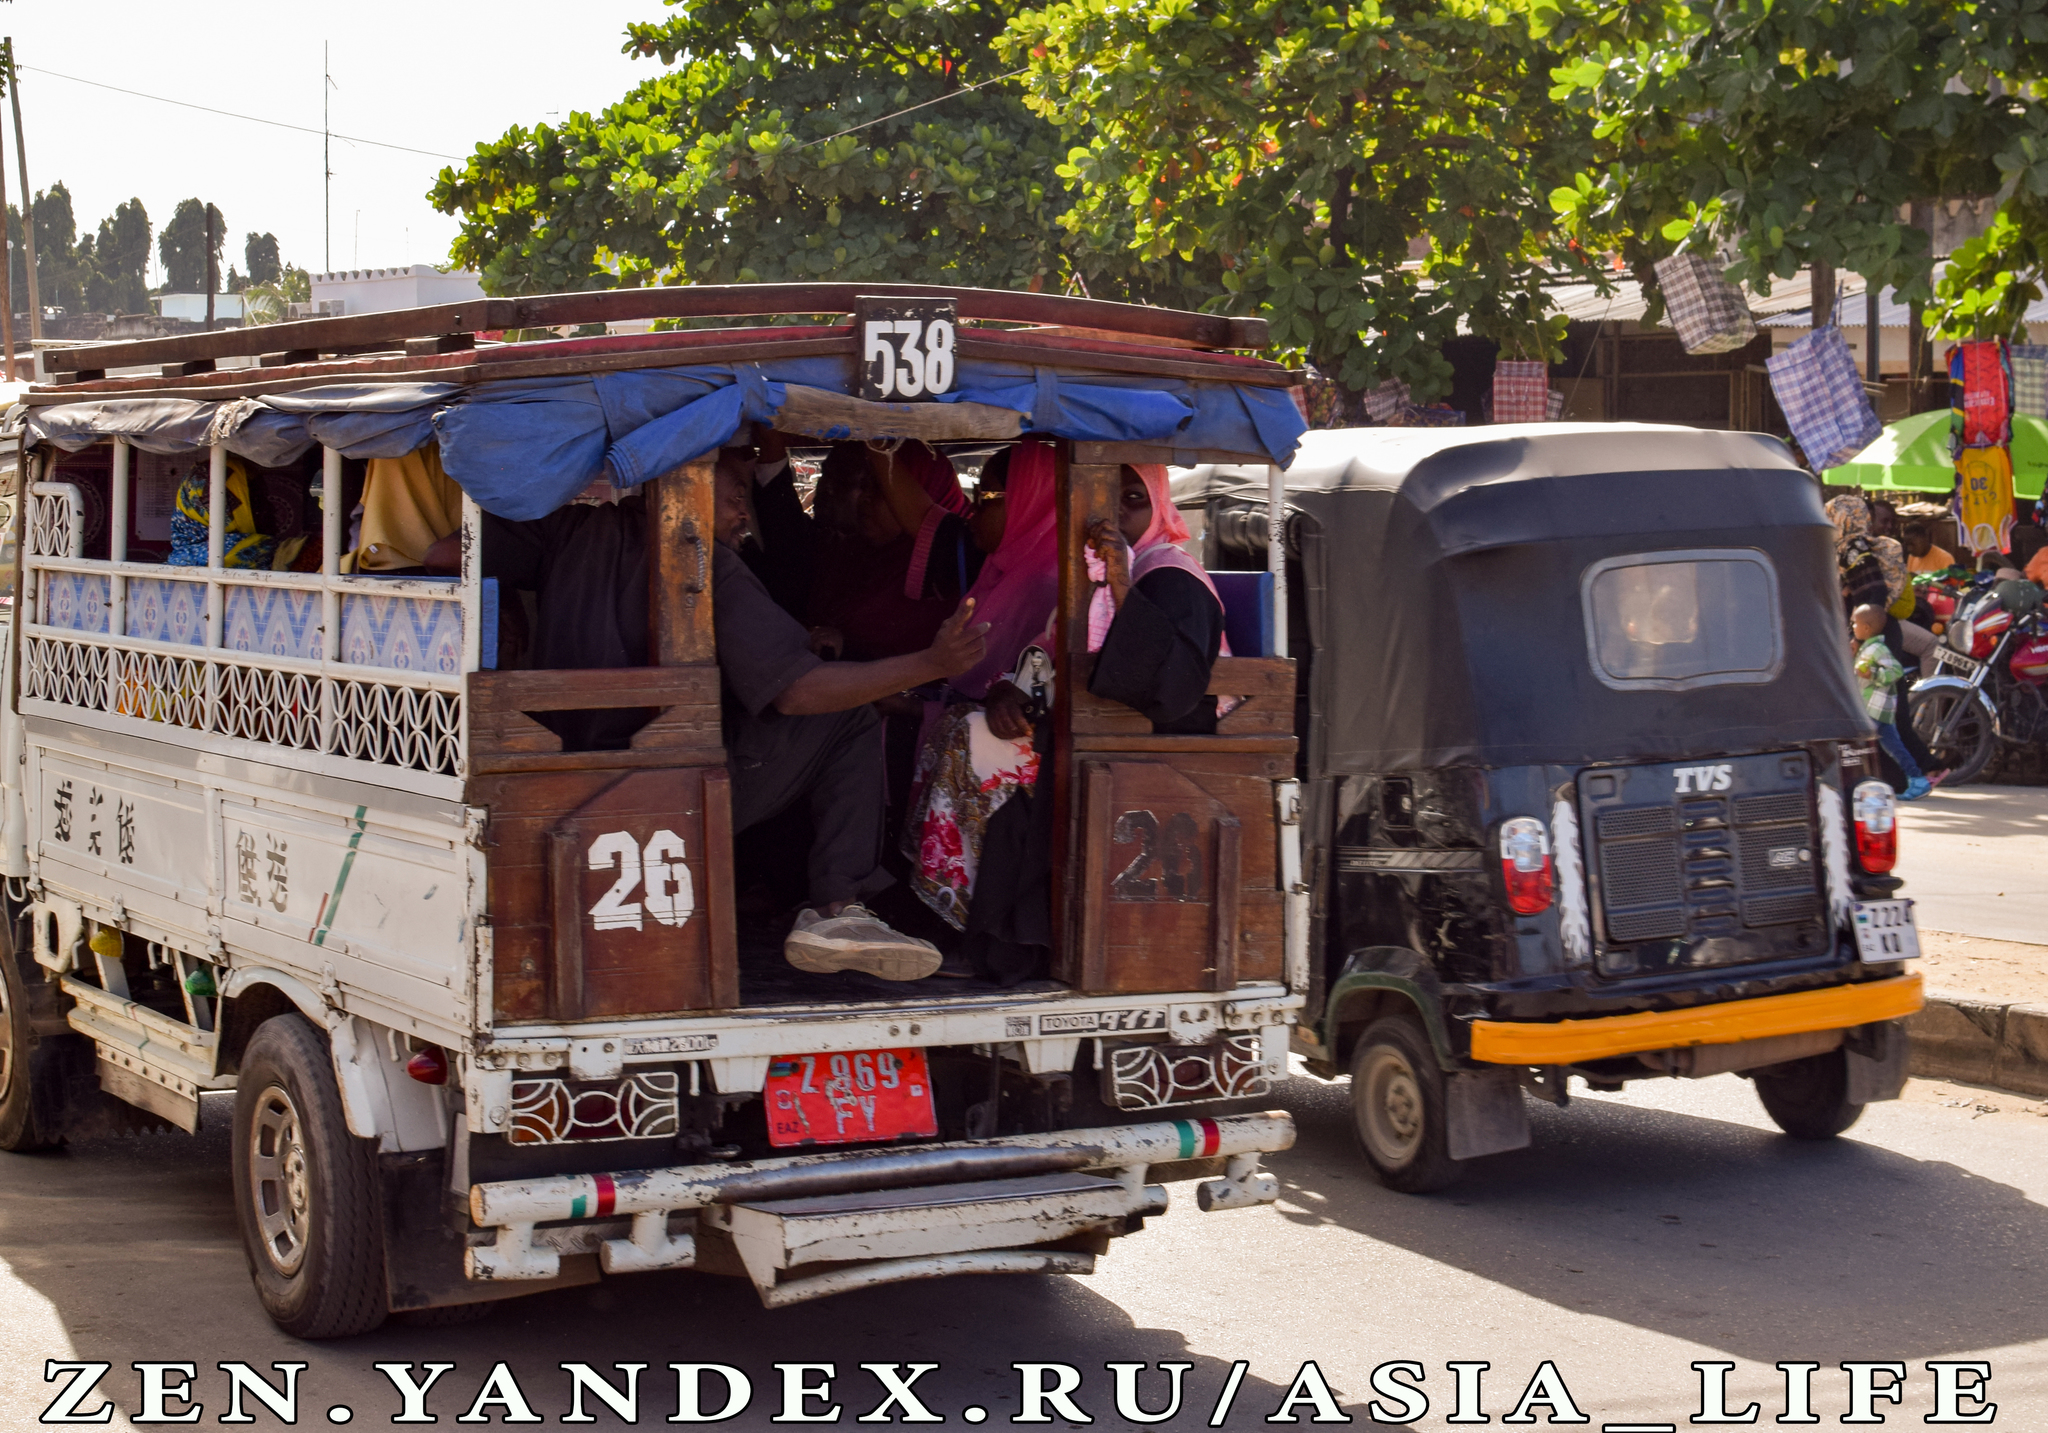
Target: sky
436,75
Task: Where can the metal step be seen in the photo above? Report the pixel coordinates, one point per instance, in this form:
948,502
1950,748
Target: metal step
774,1236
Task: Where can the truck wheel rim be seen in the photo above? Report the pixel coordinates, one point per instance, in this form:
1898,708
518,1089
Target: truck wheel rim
6,1038
1390,1110
280,1183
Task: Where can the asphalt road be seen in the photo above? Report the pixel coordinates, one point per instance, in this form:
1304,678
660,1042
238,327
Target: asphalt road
1975,861
1641,1233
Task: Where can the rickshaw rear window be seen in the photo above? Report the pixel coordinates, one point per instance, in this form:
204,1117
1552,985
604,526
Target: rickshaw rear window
1670,621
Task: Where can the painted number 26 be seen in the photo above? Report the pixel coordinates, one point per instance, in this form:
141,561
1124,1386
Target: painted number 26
925,350
659,864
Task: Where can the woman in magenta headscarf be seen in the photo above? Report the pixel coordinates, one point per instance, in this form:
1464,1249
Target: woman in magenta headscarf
965,772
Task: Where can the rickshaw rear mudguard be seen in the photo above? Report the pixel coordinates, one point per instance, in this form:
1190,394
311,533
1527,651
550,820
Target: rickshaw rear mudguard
1372,978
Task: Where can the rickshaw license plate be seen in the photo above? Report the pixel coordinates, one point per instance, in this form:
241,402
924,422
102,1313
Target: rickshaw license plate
849,1098
1885,931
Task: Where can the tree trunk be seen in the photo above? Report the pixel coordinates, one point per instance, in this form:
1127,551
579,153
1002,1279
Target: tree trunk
1823,293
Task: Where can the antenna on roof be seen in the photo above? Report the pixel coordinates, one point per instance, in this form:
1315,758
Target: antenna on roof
327,160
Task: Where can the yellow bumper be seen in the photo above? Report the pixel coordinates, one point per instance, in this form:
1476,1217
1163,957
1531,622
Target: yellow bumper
1571,1042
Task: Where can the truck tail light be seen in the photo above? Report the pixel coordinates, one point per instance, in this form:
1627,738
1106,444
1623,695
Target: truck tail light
1525,865
1876,811
429,1066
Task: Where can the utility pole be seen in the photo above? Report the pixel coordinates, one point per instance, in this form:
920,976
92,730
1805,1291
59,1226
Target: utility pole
326,161
28,203
212,269
6,271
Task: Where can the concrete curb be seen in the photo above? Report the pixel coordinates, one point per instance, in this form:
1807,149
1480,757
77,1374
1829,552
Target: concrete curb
1982,1042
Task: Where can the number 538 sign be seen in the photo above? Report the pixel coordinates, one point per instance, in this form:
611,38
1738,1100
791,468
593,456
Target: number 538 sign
906,347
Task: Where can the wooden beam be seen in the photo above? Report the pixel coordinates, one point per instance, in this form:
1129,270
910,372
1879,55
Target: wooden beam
680,301
681,527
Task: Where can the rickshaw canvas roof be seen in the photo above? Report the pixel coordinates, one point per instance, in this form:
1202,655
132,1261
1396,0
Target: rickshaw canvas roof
1443,579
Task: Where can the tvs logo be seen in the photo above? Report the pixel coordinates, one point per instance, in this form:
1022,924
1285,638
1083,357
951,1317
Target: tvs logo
1698,780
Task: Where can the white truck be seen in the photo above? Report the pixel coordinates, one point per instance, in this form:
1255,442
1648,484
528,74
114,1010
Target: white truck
483,1002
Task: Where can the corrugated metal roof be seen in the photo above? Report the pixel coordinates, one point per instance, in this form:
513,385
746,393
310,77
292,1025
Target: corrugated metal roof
1891,313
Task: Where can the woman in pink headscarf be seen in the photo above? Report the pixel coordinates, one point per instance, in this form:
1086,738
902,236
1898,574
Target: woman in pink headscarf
1156,617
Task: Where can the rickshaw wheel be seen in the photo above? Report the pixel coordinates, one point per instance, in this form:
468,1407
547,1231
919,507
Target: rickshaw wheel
1398,1107
1809,1099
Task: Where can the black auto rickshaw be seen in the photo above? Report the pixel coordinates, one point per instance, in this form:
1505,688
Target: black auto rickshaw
1588,783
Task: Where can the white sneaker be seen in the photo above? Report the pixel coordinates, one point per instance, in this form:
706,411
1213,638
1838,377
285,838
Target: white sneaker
857,939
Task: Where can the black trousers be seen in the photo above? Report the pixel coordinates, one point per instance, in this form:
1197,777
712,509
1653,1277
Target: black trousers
834,763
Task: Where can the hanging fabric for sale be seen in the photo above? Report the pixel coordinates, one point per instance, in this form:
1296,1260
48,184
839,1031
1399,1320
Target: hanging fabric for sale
1984,501
1707,311
1981,387
1521,391
1816,384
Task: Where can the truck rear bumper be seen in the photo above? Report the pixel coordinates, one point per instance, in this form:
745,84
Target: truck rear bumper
1571,1042
970,1206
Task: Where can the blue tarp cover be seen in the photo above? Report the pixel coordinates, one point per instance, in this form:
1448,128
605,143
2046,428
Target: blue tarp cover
524,447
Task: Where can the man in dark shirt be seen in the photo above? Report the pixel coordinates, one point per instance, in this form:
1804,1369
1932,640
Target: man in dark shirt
799,728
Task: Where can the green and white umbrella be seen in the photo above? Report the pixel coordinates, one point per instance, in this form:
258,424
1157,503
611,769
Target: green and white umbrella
1912,455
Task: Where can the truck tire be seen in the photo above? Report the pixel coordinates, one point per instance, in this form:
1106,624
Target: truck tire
1809,1099
305,1188
26,1125
1399,1109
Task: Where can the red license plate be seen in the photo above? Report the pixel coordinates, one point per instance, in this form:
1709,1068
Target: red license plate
849,1098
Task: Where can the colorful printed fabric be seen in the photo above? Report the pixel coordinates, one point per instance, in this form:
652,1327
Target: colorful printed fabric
1981,390
1984,499
242,545
964,775
1879,672
1707,311
1521,391
2029,362
1817,386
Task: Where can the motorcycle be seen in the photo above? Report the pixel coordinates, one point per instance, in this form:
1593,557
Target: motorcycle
1993,689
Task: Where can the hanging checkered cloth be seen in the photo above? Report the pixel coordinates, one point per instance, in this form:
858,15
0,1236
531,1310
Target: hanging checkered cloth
1383,402
2030,380
1815,382
1553,405
1703,306
1521,391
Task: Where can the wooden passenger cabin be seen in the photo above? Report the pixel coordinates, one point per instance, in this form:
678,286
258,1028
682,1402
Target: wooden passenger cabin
1167,860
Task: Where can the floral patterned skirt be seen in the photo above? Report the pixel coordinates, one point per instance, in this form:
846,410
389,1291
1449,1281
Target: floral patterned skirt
964,775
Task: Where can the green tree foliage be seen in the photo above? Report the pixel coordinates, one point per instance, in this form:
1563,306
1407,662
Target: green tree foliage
117,279
1791,132
259,256
775,147
271,302
59,274
182,246
1308,148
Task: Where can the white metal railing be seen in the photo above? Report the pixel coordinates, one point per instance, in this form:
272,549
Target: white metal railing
337,713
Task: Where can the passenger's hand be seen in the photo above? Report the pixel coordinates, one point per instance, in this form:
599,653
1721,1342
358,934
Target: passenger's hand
961,644
1005,709
445,555
827,642
1108,542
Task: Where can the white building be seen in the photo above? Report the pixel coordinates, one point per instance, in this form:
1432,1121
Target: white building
192,307
348,291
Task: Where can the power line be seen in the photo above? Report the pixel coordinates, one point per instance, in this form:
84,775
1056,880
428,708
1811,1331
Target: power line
230,114
950,94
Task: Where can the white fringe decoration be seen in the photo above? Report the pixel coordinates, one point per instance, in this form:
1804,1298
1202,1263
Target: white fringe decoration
1834,853
1574,925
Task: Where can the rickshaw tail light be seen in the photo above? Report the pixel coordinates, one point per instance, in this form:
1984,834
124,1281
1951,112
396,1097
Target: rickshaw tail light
1525,865
1876,809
